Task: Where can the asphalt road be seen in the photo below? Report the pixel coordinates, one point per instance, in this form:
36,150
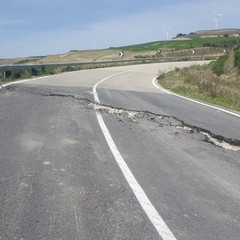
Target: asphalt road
105,154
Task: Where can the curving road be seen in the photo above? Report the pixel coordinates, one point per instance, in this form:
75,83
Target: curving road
108,154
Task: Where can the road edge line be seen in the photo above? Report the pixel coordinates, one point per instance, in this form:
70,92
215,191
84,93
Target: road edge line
21,81
192,100
157,221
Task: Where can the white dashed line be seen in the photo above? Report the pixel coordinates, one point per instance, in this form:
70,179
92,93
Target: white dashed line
141,196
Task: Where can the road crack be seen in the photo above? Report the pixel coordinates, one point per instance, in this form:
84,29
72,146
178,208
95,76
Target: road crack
171,121
134,115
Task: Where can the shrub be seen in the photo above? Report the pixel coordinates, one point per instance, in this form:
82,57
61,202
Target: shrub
17,75
237,57
161,75
70,68
50,71
34,72
218,66
208,83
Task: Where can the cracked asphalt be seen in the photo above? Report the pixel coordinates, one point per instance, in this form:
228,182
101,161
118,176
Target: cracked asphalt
59,180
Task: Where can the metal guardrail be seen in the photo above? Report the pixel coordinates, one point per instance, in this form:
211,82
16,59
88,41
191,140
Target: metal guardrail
24,67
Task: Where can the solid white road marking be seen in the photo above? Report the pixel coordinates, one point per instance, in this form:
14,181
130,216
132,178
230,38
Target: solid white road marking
195,101
21,81
141,196
95,86
155,85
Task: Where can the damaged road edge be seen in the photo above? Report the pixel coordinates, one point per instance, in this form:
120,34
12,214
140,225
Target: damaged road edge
164,120
160,119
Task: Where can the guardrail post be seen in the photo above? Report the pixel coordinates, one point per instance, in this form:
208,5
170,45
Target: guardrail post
4,74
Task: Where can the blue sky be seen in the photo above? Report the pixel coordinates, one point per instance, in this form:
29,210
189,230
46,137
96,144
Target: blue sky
41,27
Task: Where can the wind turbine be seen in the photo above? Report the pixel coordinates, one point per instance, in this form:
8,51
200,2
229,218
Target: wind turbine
216,16
95,45
68,47
167,32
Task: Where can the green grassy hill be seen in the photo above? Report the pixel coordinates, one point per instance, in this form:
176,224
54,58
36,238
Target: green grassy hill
184,44
204,47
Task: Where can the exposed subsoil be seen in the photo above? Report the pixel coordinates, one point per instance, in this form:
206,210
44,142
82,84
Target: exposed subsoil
133,115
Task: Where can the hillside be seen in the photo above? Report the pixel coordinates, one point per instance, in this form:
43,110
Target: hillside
202,41
218,32
217,83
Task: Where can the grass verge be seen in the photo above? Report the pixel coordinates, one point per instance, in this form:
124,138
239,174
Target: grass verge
198,82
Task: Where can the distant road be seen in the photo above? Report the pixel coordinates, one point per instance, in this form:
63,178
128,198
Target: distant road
105,154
